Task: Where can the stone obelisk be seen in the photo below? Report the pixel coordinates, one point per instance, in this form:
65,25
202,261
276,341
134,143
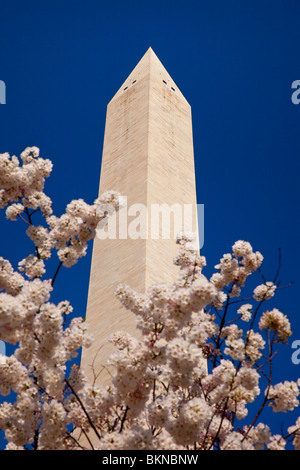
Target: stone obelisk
148,157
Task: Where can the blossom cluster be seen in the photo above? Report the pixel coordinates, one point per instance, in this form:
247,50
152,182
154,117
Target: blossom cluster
203,355
162,381
22,193
24,182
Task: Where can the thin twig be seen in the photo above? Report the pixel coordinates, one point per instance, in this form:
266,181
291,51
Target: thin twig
291,433
58,267
30,223
70,436
124,418
83,408
266,398
279,266
24,220
56,273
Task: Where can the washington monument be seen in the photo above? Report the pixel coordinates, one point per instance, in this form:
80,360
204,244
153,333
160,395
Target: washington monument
148,157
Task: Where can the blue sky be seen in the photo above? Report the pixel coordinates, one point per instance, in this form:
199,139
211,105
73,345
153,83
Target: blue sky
235,61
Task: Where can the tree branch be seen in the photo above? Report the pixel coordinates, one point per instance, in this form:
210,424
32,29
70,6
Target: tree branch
83,408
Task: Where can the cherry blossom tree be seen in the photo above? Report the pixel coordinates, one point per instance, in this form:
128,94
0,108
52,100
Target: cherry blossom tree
185,383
